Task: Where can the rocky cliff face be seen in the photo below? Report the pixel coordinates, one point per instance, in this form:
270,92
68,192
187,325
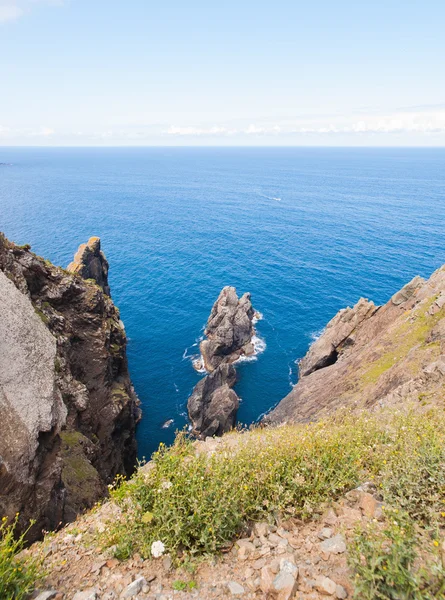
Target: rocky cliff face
68,411
368,355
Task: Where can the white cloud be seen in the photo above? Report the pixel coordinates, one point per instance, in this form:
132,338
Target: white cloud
422,122
10,10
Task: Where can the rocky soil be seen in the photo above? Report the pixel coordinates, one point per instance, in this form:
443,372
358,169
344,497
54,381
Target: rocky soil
368,355
67,406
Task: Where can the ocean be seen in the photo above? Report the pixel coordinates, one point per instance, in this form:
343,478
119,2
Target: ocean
306,230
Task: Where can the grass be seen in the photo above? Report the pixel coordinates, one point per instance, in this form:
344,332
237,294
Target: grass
197,504
18,576
403,338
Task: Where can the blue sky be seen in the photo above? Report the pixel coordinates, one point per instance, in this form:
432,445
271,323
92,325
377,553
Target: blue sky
176,72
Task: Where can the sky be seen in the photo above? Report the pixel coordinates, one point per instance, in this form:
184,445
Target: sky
238,72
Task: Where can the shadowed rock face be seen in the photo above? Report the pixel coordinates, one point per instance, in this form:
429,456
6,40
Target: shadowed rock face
367,355
229,329
213,405
68,411
90,263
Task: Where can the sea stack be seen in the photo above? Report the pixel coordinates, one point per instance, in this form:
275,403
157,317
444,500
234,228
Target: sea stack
213,405
229,330
90,263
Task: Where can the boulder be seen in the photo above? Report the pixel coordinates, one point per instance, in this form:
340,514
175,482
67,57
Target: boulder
213,405
229,330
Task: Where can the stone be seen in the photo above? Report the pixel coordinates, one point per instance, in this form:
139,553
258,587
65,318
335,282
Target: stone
213,405
47,595
228,330
90,263
134,588
167,562
235,588
340,592
284,585
261,529
368,504
325,586
325,533
90,594
287,566
267,578
334,545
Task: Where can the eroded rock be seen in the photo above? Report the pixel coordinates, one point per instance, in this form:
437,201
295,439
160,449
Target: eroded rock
213,405
90,263
229,330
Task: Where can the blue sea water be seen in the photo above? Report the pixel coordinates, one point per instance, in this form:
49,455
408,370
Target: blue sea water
306,230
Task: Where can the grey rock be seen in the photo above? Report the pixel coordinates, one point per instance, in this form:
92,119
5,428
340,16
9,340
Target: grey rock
47,595
325,586
340,592
325,533
134,588
335,545
90,594
228,330
213,405
235,588
285,585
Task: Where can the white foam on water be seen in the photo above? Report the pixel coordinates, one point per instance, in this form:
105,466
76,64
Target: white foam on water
269,197
259,345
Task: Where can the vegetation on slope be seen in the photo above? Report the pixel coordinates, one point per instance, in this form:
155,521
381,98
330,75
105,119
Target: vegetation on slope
17,575
197,503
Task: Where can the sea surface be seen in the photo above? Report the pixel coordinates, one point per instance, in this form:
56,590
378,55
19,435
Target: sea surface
306,230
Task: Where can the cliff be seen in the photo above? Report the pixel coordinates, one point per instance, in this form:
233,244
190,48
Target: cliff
68,410
368,355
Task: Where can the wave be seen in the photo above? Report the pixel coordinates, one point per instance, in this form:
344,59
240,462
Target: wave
259,346
269,197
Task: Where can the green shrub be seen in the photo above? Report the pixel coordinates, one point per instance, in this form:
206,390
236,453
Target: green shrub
17,575
396,562
198,503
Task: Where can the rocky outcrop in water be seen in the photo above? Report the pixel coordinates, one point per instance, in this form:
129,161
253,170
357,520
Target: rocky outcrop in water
90,263
371,355
229,330
68,411
213,405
